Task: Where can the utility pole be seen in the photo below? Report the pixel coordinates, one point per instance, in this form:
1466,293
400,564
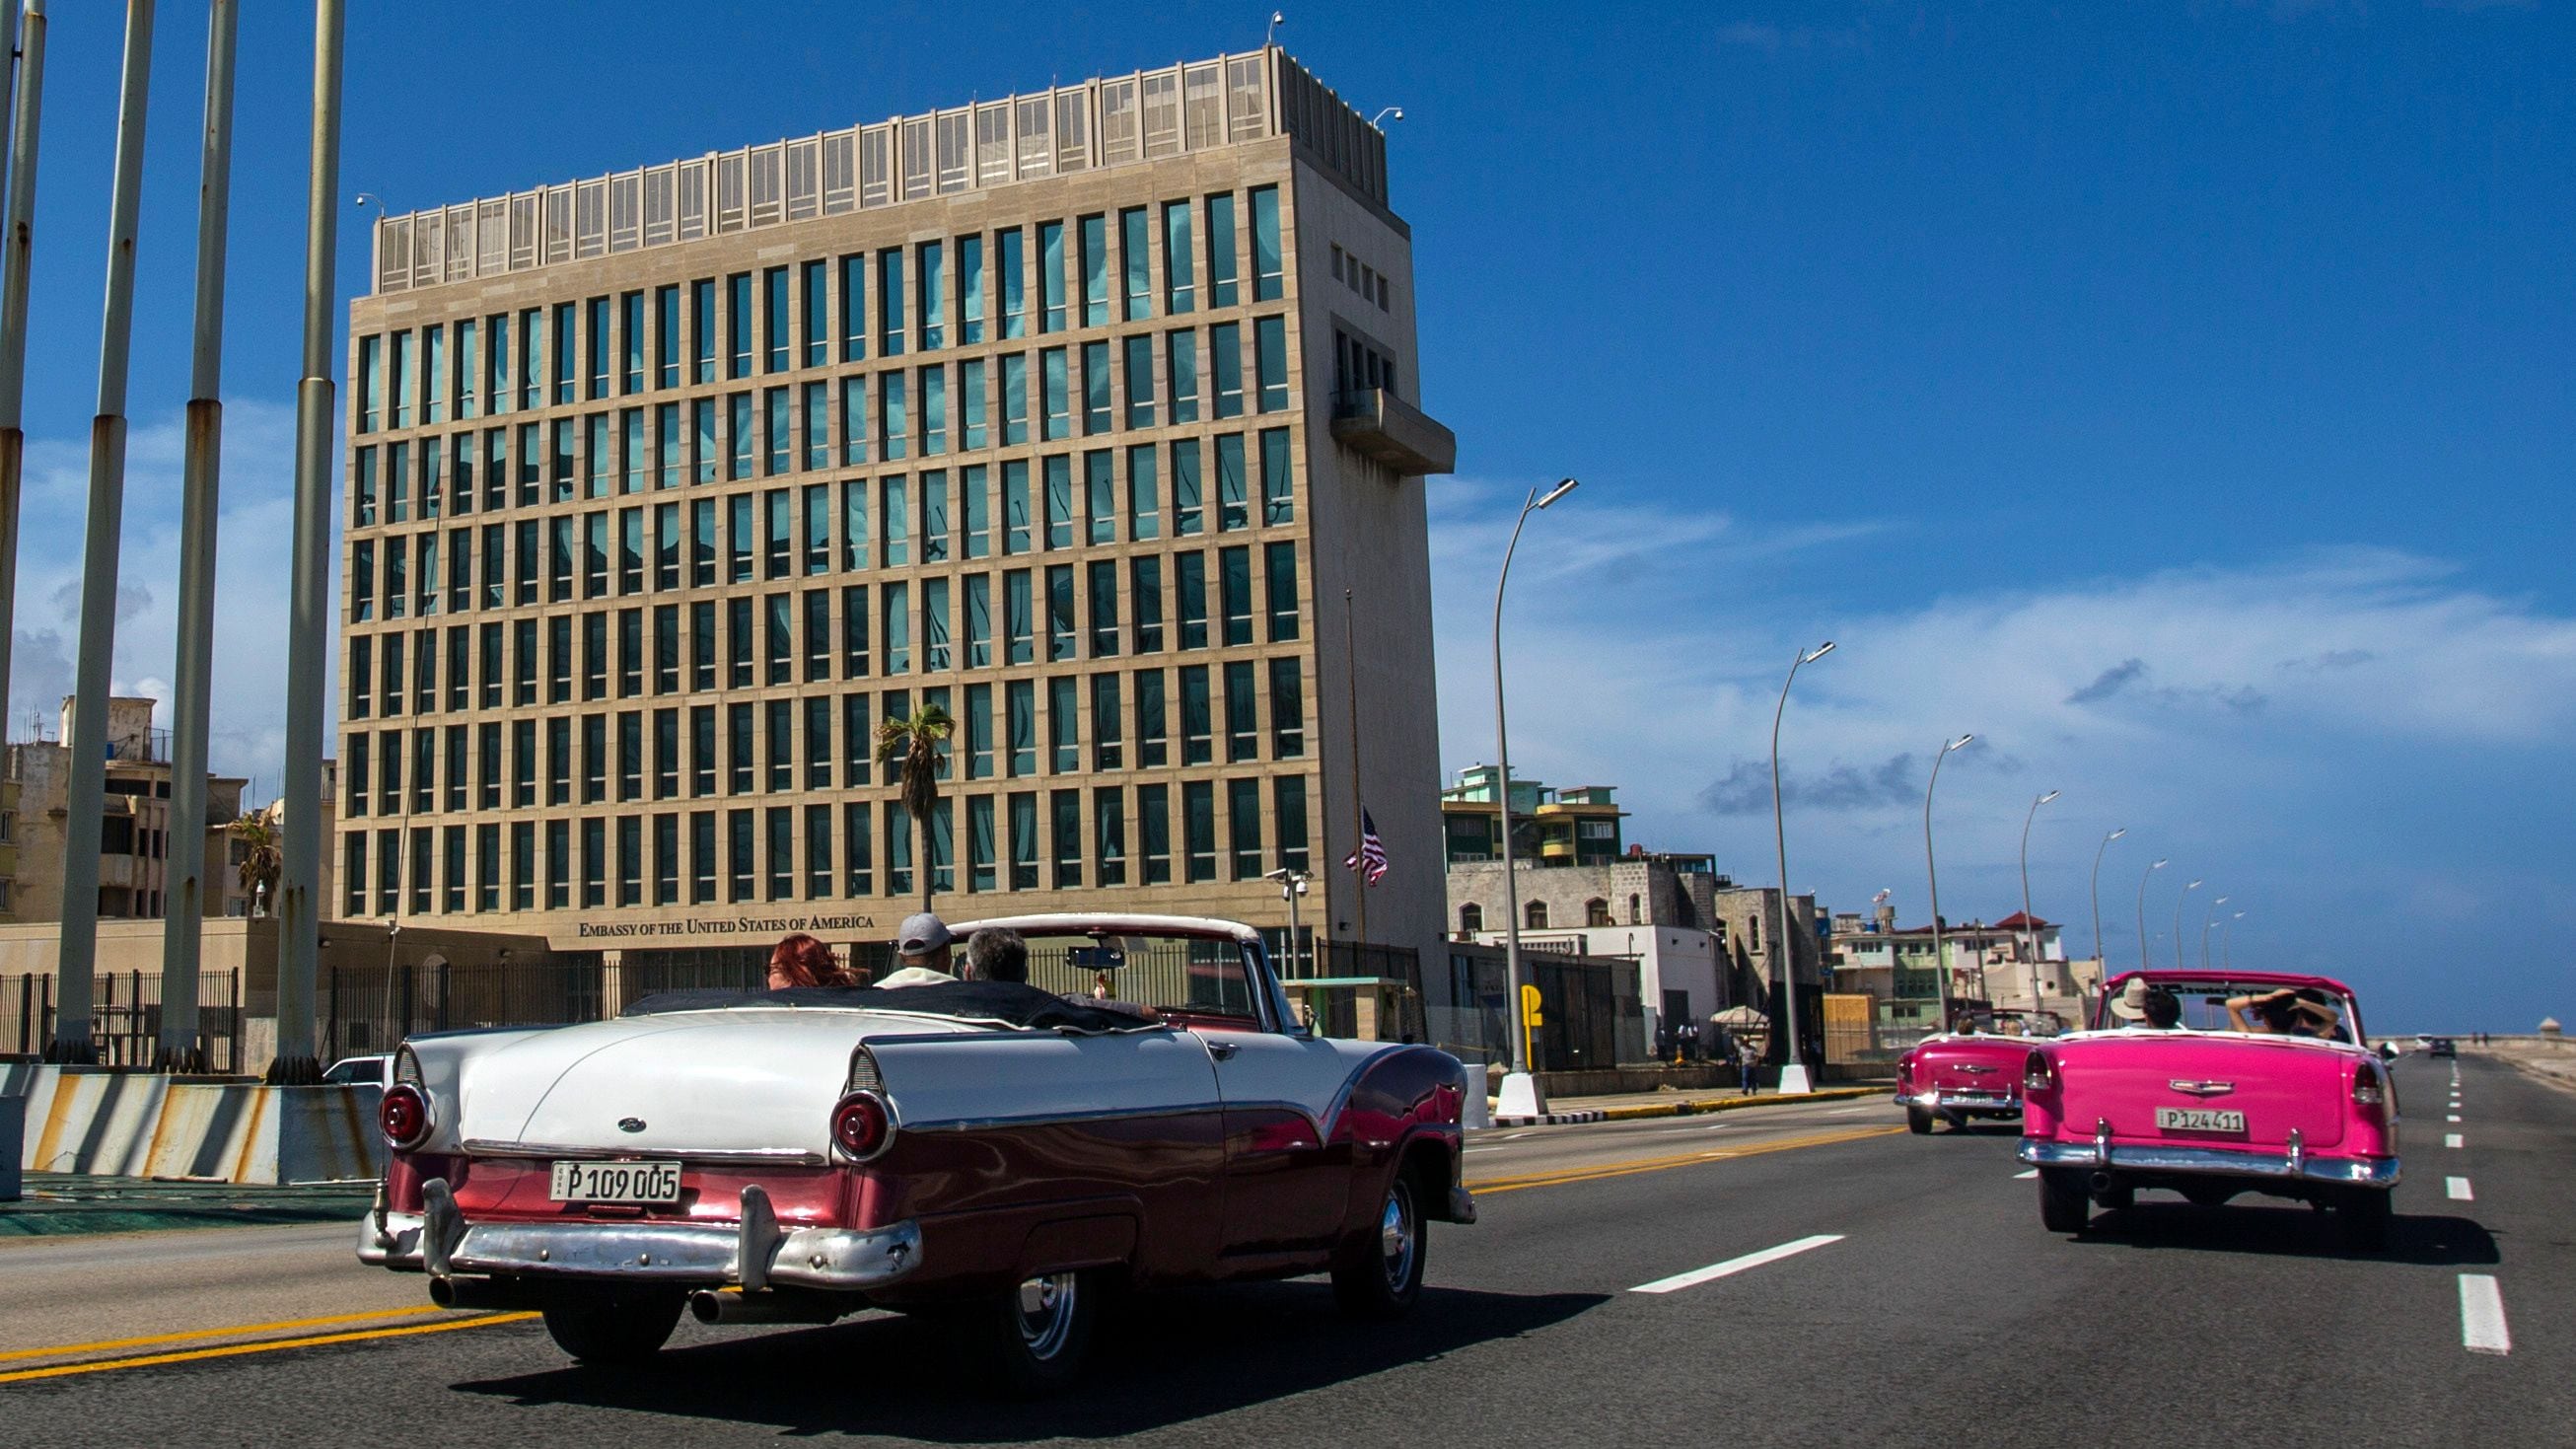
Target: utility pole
20,246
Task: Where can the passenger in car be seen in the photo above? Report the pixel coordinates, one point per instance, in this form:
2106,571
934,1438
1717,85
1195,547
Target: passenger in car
2289,1011
800,960
922,949
994,954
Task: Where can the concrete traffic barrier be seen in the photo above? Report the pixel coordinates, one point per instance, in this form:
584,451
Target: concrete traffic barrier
100,1121
106,1123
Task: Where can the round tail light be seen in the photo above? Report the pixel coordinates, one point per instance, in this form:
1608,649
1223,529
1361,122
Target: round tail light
404,1116
862,1125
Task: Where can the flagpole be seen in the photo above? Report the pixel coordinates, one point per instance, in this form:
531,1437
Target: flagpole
1351,668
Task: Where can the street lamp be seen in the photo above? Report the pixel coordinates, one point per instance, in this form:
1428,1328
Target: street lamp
1940,969
2143,878
2100,961
2207,921
2226,961
2030,937
2178,900
1396,111
1292,884
1521,1095
1793,1072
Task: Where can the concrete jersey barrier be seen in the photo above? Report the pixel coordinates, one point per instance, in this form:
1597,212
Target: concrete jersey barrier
102,1122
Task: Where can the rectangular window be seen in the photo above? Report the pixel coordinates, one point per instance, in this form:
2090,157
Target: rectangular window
933,261
703,451
1059,612
895,543
1056,394
371,382
934,626
741,850
1154,832
1233,485
973,430
666,337
856,742
1287,710
1153,734
1180,293
934,411
1220,250
1189,588
1020,726
857,854
975,504
779,734
702,330
1139,381
779,455
1270,357
890,302
1234,593
854,307
1225,366
1024,841
1095,271
398,483
775,349
1017,618
1145,591
738,325
1065,808
1100,495
818,852
895,608
745,440
981,864
1015,398
666,426
1198,740
894,426
566,362
817,426
1187,518
1095,388
469,370
1243,827
1010,259
1279,567
979,731
970,290
1267,270
1050,284
702,857
1288,811
1278,479
814,277
1104,609
1064,725
1198,830
1108,744
666,859
1242,713
433,374
631,323
1136,262
1015,506
854,420
595,342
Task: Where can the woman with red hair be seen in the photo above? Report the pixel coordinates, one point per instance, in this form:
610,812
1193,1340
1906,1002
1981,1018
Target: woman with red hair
800,960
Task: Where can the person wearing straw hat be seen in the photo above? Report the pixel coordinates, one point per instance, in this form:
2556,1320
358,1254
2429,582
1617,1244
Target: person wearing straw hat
2150,1006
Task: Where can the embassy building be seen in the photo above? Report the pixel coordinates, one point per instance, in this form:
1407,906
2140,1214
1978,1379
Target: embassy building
1077,413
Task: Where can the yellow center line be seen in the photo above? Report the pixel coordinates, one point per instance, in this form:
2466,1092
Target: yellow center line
55,1352
232,1350
1562,1176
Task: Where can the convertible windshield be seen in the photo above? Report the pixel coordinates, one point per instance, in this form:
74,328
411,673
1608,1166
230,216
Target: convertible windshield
2266,1008
1191,975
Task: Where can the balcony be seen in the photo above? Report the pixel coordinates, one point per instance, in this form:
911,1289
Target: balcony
1378,425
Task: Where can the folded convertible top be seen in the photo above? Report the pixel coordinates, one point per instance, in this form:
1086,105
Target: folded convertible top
1000,1003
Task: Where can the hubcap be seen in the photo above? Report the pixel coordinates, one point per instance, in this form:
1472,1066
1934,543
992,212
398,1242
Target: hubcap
1395,1236
1045,1309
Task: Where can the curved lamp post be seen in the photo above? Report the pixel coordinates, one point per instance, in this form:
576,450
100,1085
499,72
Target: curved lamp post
2030,935
1784,947
1521,1096
1940,968
2100,961
2206,922
2178,900
2147,875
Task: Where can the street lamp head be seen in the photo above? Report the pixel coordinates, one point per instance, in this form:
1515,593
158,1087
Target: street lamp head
1564,485
1395,111
1960,743
2116,834
2240,915
1819,652
2222,900
2159,865
2195,885
2044,799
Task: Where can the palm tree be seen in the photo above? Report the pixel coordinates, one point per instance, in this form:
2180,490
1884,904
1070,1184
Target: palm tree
916,742
261,860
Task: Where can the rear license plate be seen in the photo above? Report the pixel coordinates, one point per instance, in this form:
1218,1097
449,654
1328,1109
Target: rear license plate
616,1182
2198,1119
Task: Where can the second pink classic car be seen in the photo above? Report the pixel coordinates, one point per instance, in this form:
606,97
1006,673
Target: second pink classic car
1972,1072
990,1151
2213,1085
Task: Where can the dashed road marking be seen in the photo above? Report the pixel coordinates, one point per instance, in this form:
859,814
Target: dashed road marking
2482,1326
1732,1266
2454,1117
1847,1111
2458,1188
2451,1139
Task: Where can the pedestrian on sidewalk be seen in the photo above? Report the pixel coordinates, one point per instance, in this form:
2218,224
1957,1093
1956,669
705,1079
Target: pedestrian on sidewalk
1746,1066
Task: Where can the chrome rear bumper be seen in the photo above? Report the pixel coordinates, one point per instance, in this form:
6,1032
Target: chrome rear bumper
754,1253
1941,1101
2293,1164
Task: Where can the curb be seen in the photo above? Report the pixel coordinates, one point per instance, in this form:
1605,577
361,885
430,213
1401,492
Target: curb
1691,1107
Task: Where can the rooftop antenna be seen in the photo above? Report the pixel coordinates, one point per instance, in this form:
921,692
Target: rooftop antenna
1277,19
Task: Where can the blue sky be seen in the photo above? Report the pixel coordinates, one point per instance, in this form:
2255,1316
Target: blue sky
2176,395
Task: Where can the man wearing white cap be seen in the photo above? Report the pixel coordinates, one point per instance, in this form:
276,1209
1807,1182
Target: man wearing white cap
922,945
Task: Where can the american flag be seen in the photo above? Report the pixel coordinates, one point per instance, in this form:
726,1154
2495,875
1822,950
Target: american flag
1370,859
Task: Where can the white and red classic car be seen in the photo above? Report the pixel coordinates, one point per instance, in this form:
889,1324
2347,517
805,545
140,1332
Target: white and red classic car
993,1152
1972,1072
2263,1083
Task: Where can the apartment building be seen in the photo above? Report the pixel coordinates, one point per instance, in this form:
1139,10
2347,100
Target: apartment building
1089,415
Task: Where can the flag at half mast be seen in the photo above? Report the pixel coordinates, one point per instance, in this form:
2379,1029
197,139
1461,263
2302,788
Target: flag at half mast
1370,859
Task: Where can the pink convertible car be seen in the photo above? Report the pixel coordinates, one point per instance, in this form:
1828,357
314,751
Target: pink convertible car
2211,1085
1972,1072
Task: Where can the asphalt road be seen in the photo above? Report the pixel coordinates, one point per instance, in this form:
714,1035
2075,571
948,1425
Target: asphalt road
1878,1289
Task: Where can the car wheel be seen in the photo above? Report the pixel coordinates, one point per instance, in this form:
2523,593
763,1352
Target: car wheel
2063,1207
1034,1337
1918,1120
2362,1215
610,1331
1379,1275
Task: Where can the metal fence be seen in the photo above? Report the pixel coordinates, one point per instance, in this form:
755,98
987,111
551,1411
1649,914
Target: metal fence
125,1017
367,1009
1586,1022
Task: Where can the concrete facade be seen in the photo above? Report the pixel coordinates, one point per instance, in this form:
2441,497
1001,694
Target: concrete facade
711,788
134,849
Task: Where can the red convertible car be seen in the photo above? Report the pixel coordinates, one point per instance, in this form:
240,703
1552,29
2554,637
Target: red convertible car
1972,1072
992,1152
2211,1085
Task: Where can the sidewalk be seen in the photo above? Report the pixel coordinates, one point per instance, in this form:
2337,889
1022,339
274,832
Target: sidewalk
1631,1106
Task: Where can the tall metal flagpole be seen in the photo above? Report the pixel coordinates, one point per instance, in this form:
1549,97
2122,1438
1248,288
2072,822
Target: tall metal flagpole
298,912
1359,807
85,807
180,1050
21,251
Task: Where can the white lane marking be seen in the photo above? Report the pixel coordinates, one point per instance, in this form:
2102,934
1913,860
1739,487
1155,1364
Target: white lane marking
2458,1188
2482,1327
1699,1127
2025,1176
2454,1117
2450,1139
1847,1111
1732,1266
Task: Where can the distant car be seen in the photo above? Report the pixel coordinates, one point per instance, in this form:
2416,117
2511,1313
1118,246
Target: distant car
2281,1097
1972,1072
989,1151
2443,1046
373,1071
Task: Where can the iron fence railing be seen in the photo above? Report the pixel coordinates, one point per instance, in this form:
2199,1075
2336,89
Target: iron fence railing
125,1016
